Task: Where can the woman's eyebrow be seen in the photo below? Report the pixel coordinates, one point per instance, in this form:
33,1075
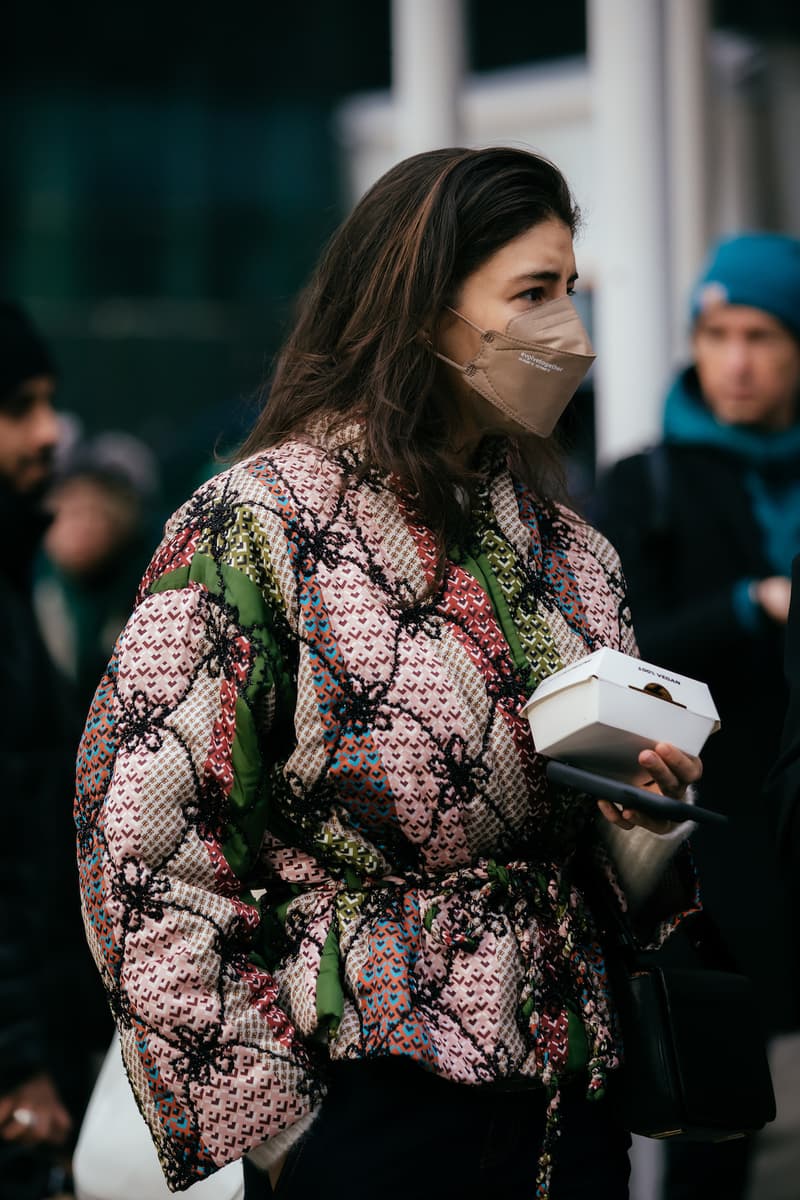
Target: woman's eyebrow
543,277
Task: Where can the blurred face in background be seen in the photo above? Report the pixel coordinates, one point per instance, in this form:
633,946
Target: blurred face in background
92,522
748,364
29,432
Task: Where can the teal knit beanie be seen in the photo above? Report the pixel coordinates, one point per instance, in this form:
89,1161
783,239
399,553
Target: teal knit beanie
759,270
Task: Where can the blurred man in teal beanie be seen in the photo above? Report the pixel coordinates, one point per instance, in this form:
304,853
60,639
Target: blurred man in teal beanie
753,270
707,524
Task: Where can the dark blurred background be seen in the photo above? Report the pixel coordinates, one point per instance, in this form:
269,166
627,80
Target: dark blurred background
169,173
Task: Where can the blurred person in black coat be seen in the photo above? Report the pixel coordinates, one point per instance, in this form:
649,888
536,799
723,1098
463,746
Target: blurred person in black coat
782,799
707,525
783,785
43,1066
95,551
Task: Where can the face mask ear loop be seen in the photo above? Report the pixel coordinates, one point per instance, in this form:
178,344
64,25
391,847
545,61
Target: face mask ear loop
466,320
450,361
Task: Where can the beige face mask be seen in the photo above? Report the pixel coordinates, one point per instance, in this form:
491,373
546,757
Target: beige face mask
532,371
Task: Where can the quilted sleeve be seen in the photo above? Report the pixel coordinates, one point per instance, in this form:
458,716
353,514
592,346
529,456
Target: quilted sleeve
171,808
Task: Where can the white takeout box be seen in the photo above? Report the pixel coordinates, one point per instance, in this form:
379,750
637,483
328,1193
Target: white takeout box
601,711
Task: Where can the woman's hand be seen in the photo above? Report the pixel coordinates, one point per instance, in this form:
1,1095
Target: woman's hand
774,595
33,1113
670,771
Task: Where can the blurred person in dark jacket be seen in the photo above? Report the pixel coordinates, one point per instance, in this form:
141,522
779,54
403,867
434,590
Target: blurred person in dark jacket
782,798
94,552
41,961
707,524
783,784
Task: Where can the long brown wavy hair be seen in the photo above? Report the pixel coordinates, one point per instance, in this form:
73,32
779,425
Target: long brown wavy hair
355,354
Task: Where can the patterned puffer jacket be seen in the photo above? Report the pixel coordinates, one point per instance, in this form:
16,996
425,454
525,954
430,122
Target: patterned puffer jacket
311,820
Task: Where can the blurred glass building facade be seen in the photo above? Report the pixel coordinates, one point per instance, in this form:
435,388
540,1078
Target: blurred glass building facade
170,172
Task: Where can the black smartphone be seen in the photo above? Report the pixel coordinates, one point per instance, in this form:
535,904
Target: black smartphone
627,796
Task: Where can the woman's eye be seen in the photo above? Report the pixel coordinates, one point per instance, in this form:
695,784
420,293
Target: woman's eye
571,290
533,294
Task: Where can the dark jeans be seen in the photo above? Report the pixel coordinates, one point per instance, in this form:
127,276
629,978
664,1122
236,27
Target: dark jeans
391,1130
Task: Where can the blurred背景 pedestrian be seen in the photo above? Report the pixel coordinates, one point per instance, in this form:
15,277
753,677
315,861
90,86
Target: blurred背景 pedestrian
94,551
38,892
707,525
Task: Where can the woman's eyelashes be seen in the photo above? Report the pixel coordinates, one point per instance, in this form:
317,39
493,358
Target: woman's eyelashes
536,295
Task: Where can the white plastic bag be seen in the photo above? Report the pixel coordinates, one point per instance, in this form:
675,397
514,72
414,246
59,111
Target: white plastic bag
115,1158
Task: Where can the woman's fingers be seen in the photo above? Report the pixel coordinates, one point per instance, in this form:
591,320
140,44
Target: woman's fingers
34,1113
672,769
615,815
628,818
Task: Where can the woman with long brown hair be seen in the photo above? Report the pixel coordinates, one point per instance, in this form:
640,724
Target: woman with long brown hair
335,902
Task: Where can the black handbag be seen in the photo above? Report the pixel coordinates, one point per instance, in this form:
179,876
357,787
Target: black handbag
695,1063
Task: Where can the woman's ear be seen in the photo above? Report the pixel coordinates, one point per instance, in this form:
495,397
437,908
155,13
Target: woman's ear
431,332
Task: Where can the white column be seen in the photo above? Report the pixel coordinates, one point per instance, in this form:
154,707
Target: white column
428,62
737,184
632,310
783,89
688,68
